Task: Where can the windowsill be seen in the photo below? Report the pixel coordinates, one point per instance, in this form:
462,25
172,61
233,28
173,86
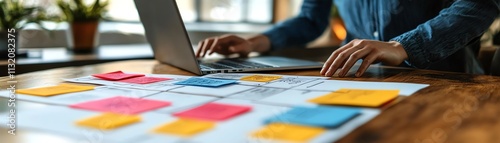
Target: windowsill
136,27
112,33
107,52
55,57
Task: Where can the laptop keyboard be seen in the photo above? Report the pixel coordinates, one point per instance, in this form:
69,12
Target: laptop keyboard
233,64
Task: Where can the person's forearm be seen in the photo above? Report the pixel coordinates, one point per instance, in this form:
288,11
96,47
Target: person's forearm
260,43
448,32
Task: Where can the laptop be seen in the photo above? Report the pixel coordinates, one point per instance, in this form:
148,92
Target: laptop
167,35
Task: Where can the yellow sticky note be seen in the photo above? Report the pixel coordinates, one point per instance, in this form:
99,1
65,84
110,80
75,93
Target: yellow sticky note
288,132
260,78
108,121
55,90
357,97
185,127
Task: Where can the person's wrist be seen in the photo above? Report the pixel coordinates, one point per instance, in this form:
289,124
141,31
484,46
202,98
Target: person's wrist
400,50
253,45
259,43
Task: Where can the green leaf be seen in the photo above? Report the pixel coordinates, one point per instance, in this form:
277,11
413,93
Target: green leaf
13,14
3,20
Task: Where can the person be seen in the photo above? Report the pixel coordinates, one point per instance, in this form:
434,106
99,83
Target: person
426,34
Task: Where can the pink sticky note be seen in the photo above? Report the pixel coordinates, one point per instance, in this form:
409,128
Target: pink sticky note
214,111
117,75
144,80
122,105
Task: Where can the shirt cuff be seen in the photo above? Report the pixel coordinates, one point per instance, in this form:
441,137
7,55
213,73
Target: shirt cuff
414,47
274,38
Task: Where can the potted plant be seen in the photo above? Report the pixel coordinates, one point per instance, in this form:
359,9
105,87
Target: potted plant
13,17
83,20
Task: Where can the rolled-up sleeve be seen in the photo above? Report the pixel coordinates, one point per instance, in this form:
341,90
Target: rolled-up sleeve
307,26
451,30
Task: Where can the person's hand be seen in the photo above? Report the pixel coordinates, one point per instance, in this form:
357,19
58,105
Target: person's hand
390,53
225,45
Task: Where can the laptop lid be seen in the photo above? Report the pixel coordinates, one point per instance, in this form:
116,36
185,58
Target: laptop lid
166,33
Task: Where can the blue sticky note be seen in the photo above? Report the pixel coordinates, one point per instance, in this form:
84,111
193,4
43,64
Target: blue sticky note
207,82
321,116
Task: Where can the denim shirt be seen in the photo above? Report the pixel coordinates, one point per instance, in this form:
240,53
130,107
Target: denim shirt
431,31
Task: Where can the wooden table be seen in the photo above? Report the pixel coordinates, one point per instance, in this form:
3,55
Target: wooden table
455,107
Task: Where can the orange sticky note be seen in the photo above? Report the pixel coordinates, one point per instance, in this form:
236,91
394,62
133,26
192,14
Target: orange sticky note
185,127
108,121
260,78
288,132
55,90
357,97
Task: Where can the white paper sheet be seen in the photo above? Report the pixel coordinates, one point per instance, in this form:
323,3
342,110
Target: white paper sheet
213,91
78,97
157,86
266,98
405,89
293,97
257,93
286,81
150,138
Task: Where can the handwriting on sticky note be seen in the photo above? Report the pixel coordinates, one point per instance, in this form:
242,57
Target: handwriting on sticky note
214,112
357,97
261,78
184,127
122,105
118,75
144,80
288,132
108,121
207,82
55,90
321,116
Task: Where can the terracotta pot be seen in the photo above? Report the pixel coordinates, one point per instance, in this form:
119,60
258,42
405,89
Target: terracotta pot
8,42
83,37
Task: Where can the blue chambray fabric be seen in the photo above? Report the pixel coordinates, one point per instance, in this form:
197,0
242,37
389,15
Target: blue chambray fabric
436,34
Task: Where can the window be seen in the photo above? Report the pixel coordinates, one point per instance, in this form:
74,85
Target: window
252,11
247,11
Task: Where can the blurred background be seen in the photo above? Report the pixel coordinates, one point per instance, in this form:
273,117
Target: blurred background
203,18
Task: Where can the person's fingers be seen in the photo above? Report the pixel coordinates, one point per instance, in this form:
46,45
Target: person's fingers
329,62
231,39
237,45
367,61
353,59
206,46
214,45
241,49
333,56
226,45
334,67
342,57
200,48
223,44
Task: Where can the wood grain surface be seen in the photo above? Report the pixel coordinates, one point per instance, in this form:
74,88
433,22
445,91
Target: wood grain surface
455,108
